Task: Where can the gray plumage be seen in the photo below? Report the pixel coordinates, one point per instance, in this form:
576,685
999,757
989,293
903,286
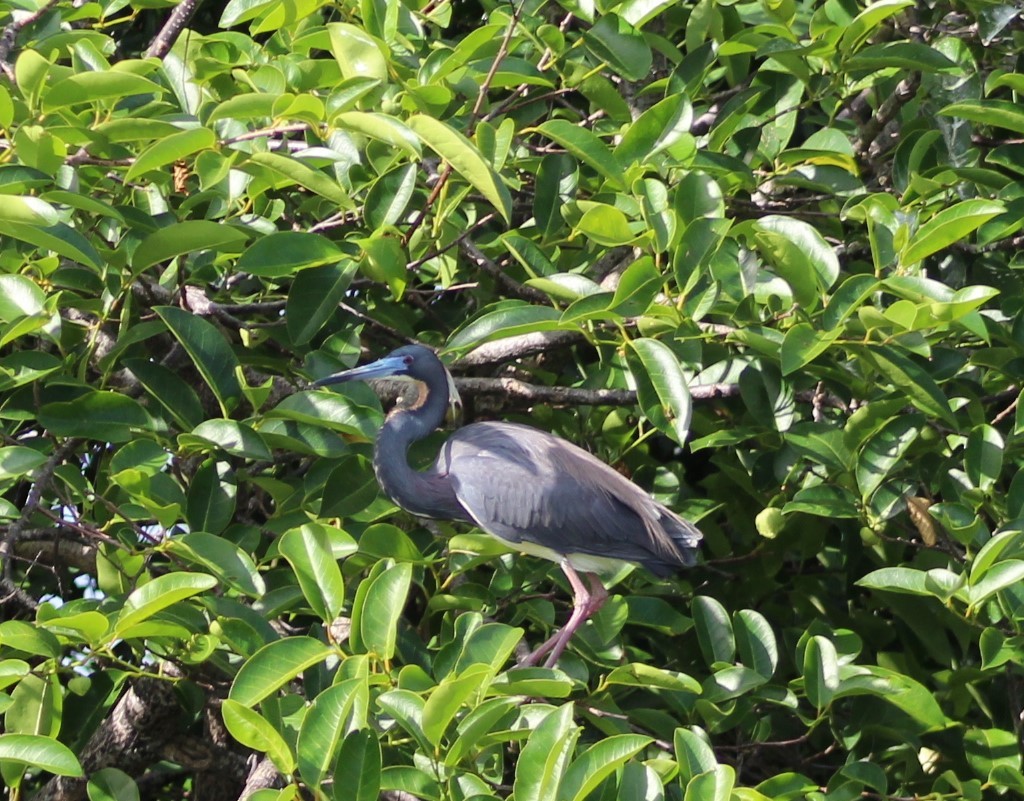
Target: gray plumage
522,484
527,487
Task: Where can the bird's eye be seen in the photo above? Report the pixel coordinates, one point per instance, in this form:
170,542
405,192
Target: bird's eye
407,360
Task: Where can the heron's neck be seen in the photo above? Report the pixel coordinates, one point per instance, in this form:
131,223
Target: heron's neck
426,493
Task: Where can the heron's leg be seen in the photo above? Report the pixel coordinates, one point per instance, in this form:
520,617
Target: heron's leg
586,602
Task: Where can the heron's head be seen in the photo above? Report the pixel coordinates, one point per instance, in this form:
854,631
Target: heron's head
411,362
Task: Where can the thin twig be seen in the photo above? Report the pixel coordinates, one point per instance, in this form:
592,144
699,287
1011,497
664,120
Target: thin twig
509,286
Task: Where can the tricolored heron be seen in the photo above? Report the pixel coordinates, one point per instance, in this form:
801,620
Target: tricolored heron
532,490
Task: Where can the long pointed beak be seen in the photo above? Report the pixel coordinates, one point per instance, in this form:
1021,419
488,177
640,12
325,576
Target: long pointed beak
389,365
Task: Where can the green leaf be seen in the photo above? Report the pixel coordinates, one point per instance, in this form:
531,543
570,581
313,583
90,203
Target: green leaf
211,497
861,27
613,40
254,105
406,708
223,559
106,416
597,763
896,579
756,642
803,344
350,490
508,321
28,210
491,715
448,697
308,549
545,756
536,682
852,292
358,54
988,749
637,674
295,172
358,775
180,238
659,127
1001,576
274,665
910,697
17,460
42,753
382,127
314,297
997,113
951,224
585,146
914,56
111,784
714,629
465,159
983,458
605,225
729,682
21,636
693,754
98,85
170,149
907,376
209,351
1006,542
252,730
557,176
389,196
820,671
169,390
662,388
284,253
20,297
58,238
799,254
715,785
325,724
158,594
381,610
884,452
230,436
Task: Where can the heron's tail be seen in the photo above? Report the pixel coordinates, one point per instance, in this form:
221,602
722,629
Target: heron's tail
677,542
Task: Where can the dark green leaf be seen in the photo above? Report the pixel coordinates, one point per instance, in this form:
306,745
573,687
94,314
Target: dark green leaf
357,777
283,254
209,351
180,238
273,666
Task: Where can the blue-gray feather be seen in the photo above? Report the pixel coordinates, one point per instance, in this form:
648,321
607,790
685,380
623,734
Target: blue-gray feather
523,484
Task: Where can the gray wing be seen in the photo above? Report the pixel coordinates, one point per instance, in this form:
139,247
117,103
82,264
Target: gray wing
525,485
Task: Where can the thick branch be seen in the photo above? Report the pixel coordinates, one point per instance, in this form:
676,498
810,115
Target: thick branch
872,129
131,738
520,393
51,547
172,29
518,347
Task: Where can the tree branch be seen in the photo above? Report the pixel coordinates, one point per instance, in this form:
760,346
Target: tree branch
172,29
518,347
131,738
10,35
508,286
